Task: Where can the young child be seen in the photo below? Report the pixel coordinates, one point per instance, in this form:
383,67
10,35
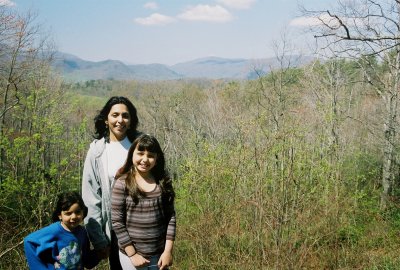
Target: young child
142,208
63,244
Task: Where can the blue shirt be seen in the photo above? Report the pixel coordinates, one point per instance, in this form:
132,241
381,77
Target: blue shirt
53,247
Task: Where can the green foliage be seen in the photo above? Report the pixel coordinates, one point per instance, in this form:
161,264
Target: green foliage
282,172
385,263
92,88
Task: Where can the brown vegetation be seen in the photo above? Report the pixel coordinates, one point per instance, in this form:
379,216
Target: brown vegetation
282,172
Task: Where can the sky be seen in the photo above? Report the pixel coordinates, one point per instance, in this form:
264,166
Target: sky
170,31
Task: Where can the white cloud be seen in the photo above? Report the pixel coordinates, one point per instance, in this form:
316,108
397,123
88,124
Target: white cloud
206,13
155,19
151,5
305,21
333,23
237,4
314,21
7,3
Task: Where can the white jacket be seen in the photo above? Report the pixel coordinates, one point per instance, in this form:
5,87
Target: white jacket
96,193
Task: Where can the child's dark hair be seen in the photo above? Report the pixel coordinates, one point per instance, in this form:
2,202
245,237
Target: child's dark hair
65,201
146,142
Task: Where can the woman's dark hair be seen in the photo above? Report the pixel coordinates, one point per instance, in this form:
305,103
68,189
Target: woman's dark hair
65,201
101,129
149,143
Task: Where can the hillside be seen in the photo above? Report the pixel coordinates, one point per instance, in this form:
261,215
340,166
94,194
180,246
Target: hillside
73,68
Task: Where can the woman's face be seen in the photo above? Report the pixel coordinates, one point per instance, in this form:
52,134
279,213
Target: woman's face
118,122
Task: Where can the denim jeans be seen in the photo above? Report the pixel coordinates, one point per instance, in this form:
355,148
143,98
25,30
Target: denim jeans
127,264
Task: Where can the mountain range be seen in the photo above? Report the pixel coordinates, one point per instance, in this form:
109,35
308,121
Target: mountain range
73,68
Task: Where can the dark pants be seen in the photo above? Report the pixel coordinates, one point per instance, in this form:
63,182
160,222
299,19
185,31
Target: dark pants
114,253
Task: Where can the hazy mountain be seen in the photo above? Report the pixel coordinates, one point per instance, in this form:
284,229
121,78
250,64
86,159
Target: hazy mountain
214,68
73,68
154,72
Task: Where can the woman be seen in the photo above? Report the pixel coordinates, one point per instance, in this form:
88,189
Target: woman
115,130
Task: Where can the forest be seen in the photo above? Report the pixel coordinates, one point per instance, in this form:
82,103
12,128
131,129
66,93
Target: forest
296,169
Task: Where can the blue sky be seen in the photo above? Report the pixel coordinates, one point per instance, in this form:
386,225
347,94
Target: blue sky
169,31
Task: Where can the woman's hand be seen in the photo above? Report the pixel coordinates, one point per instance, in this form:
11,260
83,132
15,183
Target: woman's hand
138,260
103,253
165,260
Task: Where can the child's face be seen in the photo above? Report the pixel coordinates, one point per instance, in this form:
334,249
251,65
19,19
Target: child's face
72,217
143,161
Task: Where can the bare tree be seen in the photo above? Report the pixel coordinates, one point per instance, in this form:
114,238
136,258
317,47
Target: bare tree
369,31
24,52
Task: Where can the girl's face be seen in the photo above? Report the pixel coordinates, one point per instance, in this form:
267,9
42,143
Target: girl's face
71,218
143,161
118,122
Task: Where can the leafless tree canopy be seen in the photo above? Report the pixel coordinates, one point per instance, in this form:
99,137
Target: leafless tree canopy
357,28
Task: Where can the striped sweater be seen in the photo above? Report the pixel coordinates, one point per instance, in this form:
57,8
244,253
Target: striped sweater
143,224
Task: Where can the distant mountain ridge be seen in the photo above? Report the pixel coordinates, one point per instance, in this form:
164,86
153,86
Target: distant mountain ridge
73,68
